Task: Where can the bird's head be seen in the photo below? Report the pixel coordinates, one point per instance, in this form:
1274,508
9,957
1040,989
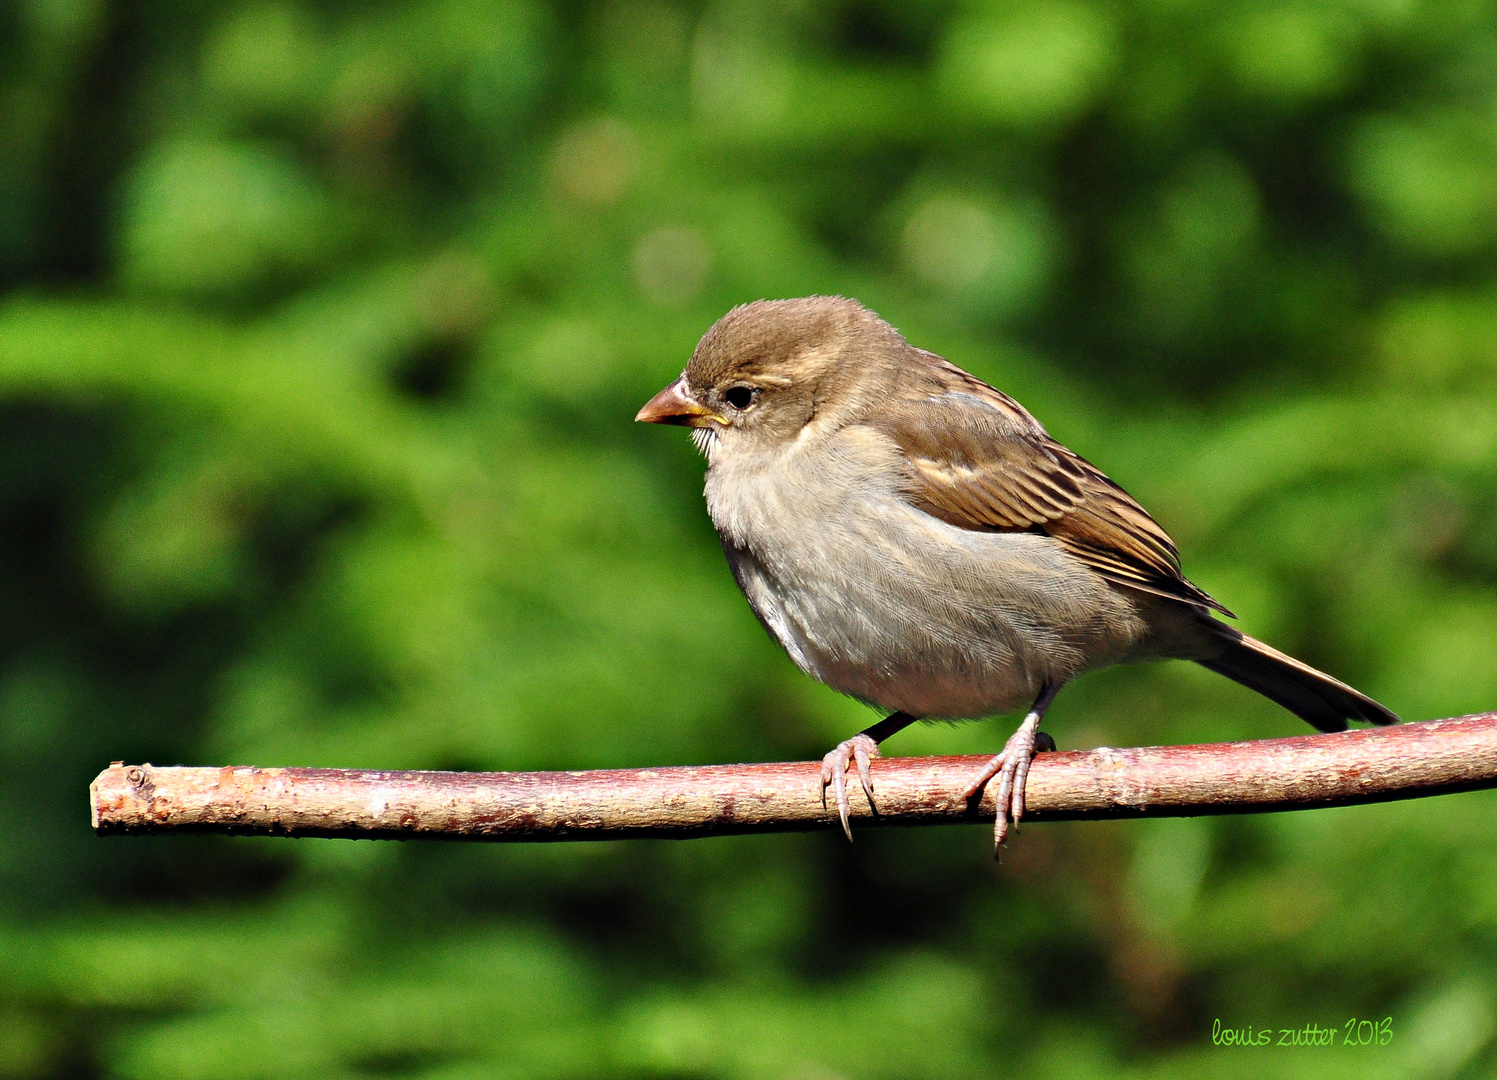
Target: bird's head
766,370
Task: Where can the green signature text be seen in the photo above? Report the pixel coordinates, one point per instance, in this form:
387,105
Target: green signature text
1355,1032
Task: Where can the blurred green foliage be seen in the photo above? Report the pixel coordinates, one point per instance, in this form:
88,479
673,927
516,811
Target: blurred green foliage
323,328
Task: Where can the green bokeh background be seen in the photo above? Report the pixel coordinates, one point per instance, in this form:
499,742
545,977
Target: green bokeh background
322,331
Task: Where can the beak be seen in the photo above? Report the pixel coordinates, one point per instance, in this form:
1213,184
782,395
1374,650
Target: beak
675,405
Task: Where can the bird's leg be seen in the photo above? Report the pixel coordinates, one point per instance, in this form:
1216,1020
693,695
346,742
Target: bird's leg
1012,766
861,749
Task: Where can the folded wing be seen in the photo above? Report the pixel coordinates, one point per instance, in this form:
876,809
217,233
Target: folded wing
978,460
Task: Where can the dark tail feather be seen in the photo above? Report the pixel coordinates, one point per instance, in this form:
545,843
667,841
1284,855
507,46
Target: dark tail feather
1311,695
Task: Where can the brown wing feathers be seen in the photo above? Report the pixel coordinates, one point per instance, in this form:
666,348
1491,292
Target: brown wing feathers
978,460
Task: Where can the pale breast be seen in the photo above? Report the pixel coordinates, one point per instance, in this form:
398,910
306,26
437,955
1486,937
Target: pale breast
893,606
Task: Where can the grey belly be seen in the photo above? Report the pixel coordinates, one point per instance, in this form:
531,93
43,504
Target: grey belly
934,621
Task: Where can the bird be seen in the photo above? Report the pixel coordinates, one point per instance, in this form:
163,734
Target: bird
915,539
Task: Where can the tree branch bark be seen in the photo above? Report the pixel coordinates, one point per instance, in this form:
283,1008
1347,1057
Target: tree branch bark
1373,765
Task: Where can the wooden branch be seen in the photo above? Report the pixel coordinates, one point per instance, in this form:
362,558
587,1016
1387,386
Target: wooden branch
1372,765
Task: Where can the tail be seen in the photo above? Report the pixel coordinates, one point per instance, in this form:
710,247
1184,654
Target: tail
1312,695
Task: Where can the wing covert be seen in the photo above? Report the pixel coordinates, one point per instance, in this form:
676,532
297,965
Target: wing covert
977,459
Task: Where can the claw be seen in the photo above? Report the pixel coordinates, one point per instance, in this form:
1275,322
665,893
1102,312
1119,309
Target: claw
1011,767
1016,807
859,750
844,808
861,756
1005,801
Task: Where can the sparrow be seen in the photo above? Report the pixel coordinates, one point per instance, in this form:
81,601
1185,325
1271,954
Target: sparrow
915,539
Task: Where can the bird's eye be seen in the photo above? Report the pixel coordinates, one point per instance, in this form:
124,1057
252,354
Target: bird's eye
740,397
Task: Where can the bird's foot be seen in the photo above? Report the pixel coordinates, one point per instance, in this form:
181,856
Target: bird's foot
859,750
1012,769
